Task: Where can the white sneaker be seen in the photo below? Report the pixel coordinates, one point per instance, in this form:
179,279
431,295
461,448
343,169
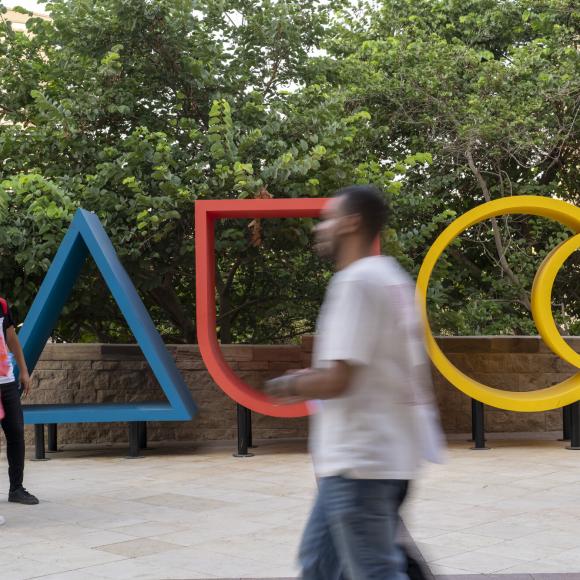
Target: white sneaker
2,521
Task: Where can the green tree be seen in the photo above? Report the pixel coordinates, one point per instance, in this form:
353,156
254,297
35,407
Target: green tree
136,108
491,89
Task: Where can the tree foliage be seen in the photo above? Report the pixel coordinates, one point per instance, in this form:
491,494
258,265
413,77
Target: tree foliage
134,109
491,89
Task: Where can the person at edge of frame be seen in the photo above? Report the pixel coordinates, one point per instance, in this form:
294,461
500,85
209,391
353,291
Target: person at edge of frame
374,418
11,391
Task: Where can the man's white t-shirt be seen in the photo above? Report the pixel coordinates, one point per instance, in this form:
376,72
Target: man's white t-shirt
386,422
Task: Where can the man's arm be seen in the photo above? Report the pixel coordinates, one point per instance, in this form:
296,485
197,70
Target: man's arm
15,348
313,384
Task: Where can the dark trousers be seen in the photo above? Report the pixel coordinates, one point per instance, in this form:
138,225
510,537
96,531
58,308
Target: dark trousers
13,427
352,531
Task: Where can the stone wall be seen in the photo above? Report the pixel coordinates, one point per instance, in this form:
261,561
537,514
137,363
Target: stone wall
100,373
511,363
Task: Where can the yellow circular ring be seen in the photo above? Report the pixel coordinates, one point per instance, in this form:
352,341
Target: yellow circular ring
542,299
552,397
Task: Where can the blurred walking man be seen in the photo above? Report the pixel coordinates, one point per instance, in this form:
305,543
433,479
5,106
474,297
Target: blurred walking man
376,419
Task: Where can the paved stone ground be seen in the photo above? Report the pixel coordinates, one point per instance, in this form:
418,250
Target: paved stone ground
188,513
473,577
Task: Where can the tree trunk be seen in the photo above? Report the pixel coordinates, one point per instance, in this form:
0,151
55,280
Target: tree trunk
501,251
224,288
166,298
225,320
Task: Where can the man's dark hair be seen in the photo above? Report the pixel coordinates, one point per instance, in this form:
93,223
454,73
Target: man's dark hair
367,201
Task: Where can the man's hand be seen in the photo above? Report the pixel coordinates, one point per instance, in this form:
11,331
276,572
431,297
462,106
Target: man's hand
25,382
309,384
16,349
298,372
282,389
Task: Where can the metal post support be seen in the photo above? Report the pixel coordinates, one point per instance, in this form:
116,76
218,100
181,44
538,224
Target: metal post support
250,431
39,453
52,438
134,440
566,420
143,434
473,401
574,427
478,425
244,427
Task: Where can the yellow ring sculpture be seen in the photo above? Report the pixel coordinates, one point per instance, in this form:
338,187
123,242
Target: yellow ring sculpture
542,295
553,397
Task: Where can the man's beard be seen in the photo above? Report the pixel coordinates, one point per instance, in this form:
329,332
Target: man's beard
327,251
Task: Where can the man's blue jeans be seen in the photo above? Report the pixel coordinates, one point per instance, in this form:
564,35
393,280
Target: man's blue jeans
352,531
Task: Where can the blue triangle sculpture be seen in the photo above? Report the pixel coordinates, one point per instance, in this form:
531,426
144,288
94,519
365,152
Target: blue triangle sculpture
87,237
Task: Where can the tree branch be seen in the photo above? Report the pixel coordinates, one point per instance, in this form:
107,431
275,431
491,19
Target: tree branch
237,309
168,300
230,280
499,245
473,268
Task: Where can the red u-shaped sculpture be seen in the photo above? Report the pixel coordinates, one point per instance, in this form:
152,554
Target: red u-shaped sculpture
206,214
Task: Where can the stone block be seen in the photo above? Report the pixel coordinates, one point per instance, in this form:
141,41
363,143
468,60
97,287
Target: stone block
91,381
464,362
466,405
554,420
198,380
191,364
237,353
186,351
72,352
76,365
253,379
535,381
254,365
464,344
448,397
493,363
112,365
125,379
561,366
462,423
63,396
503,381
51,380
121,352
216,418
515,344
108,396
499,421
573,341
531,363
49,365
281,353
